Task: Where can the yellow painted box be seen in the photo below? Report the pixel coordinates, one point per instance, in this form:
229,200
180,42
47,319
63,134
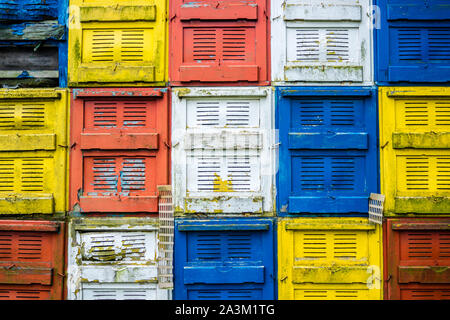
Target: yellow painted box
329,259
415,150
118,43
33,151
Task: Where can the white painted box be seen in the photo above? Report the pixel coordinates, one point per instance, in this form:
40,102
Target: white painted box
223,153
113,259
322,42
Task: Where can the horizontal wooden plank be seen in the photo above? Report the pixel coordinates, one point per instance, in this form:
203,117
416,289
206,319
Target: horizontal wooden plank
424,274
17,274
27,142
328,140
117,13
119,141
223,274
324,12
223,227
218,11
33,31
421,140
330,274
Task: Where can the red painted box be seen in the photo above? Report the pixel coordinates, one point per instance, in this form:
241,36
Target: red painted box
31,260
417,259
218,43
119,150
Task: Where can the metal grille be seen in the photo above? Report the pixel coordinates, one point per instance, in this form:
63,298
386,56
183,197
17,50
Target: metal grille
376,202
166,228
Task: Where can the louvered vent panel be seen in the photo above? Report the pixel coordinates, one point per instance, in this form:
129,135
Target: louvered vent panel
425,294
328,294
6,246
423,113
118,294
329,246
225,294
30,247
216,247
22,246
229,113
25,116
120,115
421,173
444,245
310,114
114,246
226,174
422,44
7,294
320,174
105,115
210,45
322,45
23,175
420,245
426,245
111,175
115,45
7,175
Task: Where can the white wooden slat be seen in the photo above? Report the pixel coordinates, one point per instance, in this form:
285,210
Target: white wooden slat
322,11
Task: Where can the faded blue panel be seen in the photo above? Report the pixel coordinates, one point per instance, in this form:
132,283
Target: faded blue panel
29,10
234,261
328,154
413,42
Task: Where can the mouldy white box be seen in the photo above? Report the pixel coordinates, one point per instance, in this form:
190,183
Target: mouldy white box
113,258
222,150
321,42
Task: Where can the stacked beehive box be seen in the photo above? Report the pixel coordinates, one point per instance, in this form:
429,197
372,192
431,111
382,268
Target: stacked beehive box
271,122
33,149
413,47
328,155
222,121
119,147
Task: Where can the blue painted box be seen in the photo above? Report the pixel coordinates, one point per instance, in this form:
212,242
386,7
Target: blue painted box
328,153
224,259
412,41
33,43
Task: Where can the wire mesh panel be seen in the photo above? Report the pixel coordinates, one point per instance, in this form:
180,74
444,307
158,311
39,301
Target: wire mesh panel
376,202
166,224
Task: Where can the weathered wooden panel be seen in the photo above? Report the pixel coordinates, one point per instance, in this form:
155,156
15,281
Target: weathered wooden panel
412,41
222,158
114,258
414,144
224,259
329,259
317,42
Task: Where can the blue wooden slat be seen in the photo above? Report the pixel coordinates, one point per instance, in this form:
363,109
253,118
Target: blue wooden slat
223,274
29,10
413,42
224,263
328,156
329,140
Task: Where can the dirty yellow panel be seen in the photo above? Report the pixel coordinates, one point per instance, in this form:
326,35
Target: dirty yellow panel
33,151
329,258
415,150
118,43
